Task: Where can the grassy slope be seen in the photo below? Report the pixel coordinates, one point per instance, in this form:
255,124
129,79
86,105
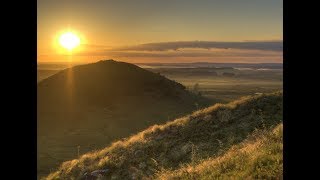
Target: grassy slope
209,132
259,157
94,104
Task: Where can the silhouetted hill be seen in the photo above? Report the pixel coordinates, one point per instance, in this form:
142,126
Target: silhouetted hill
103,82
90,105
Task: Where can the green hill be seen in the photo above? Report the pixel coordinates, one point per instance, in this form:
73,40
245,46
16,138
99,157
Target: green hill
190,140
94,104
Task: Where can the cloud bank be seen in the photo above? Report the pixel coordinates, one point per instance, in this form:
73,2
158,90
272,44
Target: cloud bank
211,51
191,49
165,46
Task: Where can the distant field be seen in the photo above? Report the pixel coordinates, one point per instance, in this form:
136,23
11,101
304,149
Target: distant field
225,89
247,81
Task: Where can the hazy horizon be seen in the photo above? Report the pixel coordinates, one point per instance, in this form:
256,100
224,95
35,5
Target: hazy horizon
196,62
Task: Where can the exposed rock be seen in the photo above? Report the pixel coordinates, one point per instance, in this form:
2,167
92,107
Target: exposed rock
138,153
186,148
142,165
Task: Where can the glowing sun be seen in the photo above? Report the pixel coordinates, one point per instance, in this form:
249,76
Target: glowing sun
69,40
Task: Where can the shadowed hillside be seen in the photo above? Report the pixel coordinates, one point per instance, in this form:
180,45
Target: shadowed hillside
103,84
87,106
207,133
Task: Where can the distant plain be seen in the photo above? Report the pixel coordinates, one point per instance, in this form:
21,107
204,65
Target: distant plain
248,79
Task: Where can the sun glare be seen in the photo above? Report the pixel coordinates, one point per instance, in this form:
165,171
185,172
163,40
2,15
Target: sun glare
69,40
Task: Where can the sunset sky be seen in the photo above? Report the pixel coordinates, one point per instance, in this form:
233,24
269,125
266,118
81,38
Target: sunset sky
162,30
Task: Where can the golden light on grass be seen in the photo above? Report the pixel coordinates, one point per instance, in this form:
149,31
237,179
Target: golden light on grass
69,40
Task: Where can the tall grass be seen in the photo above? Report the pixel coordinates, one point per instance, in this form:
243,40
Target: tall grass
259,157
207,133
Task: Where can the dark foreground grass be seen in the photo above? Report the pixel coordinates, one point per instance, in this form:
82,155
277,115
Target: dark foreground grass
208,133
259,157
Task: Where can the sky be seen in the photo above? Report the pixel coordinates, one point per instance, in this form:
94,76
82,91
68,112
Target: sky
181,30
